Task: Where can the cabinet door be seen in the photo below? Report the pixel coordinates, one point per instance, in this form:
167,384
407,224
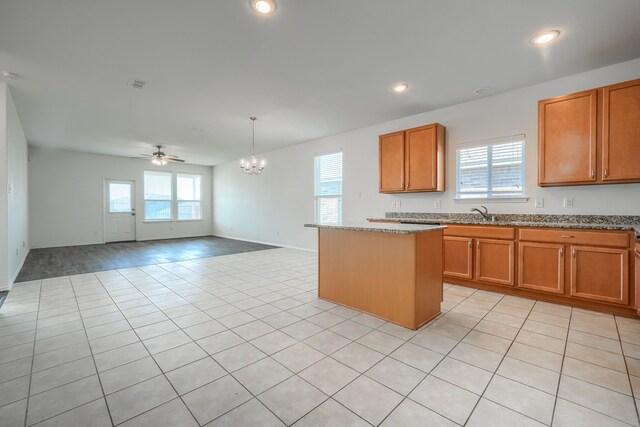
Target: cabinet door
541,267
458,257
567,139
422,159
637,277
600,274
494,261
621,132
392,162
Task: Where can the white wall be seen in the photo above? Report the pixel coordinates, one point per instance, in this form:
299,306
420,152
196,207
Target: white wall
14,209
4,218
18,194
273,207
66,197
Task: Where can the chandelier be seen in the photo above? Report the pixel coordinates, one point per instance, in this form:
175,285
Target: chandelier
252,166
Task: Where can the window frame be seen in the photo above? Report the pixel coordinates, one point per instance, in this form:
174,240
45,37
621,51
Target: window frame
178,200
170,200
517,198
316,177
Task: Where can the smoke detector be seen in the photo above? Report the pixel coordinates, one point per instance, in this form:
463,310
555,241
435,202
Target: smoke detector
137,83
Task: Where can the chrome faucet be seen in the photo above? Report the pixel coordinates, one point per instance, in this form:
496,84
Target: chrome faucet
485,214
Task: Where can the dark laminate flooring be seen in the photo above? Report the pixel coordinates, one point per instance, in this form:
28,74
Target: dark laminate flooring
69,260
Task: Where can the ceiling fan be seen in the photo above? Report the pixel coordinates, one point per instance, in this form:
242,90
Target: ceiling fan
159,158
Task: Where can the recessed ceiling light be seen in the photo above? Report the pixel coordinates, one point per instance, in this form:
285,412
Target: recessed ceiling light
400,87
482,90
10,75
263,7
546,37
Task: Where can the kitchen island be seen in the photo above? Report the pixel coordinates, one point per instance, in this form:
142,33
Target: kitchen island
391,271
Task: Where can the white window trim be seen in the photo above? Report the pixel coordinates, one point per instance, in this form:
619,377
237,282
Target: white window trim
171,200
177,202
316,198
496,198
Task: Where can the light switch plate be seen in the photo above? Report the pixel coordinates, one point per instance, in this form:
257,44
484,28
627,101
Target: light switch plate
539,202
437,204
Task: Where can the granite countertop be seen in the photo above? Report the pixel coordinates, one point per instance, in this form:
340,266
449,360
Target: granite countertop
380,227
593,222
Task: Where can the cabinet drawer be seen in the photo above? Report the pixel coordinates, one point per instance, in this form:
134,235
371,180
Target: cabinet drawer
574,237
480,231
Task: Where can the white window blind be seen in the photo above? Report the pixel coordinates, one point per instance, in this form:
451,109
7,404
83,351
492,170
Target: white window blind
491,169
328,187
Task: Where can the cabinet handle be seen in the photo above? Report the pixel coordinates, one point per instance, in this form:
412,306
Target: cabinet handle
606,173
574,252
567,236
478,245
593,174
561,251
469,243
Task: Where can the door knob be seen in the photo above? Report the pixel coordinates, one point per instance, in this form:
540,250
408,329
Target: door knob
133,214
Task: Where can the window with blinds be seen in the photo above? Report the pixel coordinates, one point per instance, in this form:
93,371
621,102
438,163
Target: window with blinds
491,169
328,187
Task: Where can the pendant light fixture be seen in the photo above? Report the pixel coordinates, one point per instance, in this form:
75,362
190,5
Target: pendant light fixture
252,166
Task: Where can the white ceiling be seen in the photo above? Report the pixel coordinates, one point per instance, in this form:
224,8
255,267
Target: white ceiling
312,69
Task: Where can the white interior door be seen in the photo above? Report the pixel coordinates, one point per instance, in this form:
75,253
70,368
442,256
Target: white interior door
120,219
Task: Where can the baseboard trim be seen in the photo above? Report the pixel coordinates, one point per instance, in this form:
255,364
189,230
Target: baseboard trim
266,243
15,274
170,238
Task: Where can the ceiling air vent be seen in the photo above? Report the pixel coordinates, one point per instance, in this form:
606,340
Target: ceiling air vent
137,83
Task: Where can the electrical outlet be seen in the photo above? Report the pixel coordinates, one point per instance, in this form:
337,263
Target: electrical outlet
398,204
539,202
437,204
568,202
359,195
393,204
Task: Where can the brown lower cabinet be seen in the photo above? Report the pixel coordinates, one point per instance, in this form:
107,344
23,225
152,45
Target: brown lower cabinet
488,258
637,278
600,274
495,261
541,267
458,256
587,268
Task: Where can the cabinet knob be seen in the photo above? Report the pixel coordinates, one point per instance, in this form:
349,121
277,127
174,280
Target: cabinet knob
469,243
606,173
478,245
561,251
593,173
574,252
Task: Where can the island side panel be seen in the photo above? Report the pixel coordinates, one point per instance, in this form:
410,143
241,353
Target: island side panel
369,271
428,276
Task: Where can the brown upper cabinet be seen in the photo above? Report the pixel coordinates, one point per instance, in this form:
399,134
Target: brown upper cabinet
621,132
413,160
590,137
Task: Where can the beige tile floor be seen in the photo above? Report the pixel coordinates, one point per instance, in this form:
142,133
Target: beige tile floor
243,340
